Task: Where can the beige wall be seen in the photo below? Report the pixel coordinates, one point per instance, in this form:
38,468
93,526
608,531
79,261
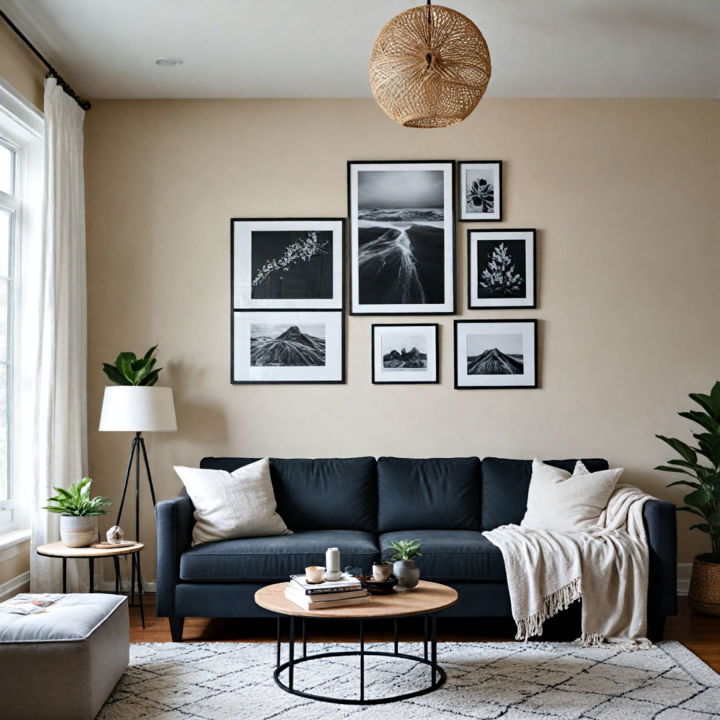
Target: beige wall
20,67
623,193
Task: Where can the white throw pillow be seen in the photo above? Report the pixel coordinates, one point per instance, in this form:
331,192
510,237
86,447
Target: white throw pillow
558,500
232,505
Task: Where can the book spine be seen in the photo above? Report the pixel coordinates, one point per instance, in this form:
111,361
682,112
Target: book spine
325,591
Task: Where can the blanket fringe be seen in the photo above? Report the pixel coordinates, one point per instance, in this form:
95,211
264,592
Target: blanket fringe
623,645
552,604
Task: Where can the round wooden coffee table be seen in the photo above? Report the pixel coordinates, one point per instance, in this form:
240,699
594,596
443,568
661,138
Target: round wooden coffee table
427,599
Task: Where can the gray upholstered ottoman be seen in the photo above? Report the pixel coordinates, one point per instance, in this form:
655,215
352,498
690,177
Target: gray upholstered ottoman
62,663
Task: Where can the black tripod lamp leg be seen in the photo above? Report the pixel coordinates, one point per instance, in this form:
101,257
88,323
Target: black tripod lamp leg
147,470
133,450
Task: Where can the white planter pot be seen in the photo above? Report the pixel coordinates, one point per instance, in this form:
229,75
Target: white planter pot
78,530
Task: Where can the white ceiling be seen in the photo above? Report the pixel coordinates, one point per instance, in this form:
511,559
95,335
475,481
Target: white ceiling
319,48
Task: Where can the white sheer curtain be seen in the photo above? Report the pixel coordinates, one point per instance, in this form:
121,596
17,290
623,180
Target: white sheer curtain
59,420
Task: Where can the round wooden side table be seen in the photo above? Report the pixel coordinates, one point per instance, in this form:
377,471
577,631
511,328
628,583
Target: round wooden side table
98,551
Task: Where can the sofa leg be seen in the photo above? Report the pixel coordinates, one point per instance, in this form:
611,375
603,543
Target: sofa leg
176,628
656,628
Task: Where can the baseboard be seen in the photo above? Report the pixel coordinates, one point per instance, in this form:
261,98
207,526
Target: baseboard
108,586
11,587
683,578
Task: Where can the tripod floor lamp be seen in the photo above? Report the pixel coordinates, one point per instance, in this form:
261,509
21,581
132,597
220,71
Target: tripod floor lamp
137,409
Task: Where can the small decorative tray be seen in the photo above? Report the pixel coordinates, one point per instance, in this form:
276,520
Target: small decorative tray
377,587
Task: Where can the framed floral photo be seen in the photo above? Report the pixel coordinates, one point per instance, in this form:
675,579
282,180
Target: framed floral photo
501,269
405,354
287,264
481,190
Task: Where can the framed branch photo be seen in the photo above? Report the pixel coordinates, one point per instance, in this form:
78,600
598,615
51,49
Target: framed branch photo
501,269
402,238
287,264
481,190
405,354
496,354
287,347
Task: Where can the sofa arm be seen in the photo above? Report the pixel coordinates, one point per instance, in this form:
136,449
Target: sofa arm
175,522
660,526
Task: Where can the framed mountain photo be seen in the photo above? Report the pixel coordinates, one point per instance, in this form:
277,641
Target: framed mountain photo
496,354
287,264
501,269
287,347
402,238
481,190
405,354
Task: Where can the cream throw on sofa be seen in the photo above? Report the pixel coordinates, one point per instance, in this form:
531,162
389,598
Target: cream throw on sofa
606,566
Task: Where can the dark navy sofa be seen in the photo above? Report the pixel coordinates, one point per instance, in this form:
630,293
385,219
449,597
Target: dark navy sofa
360,505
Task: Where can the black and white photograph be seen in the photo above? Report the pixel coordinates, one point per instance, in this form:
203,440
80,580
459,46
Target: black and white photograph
495,354
287,264
481,190
287,347
501,269
402,238
405,353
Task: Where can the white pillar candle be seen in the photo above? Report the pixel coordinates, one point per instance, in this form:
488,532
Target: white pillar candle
332,564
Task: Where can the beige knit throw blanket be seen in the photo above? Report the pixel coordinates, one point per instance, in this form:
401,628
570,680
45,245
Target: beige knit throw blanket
606,566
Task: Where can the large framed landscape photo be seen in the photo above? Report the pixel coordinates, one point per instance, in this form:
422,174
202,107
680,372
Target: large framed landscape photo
501,269
287,264
287,347
402,238
481,190
496,354
405,354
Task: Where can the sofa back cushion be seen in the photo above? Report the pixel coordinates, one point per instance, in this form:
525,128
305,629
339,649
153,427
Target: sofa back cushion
433,494
506,483
324,494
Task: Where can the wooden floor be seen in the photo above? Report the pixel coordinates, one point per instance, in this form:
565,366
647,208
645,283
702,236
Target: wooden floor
700,633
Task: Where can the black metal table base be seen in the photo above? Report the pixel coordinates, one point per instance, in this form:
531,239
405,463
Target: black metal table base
437,674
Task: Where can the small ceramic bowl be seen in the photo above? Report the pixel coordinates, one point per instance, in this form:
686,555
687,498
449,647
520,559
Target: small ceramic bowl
375,587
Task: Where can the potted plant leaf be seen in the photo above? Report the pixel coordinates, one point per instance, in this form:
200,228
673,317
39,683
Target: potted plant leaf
78,512
700,463
404,568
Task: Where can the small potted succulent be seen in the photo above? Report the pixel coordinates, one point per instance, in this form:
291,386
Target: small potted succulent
699,466
78,512
404,568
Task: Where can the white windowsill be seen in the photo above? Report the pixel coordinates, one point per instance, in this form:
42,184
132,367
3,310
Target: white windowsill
13,537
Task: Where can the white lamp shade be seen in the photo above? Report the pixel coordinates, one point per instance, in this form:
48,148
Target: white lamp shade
138,408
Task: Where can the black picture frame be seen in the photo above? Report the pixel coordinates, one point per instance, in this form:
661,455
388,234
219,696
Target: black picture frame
498,379
526,235
338,374
241,230
435,344
493,166
449,281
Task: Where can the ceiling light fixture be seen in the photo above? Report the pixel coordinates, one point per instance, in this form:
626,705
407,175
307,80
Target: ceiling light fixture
168,62
429,67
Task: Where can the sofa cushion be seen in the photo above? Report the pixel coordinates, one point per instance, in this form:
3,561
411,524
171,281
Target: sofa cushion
324,494
452,555
437,493
275,558
505,487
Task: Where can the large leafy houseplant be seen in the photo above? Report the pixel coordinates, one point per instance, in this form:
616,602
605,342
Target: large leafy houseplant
701,464
132,370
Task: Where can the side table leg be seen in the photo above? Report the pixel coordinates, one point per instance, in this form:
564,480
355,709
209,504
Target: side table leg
304,637
116,563
140,589
64,576
433,646
279,638
425,638
91,570
395,634
291,659
362,661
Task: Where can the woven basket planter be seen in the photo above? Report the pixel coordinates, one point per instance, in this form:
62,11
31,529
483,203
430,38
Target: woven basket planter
429,67
704,593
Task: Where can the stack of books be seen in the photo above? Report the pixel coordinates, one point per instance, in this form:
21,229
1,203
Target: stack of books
319,596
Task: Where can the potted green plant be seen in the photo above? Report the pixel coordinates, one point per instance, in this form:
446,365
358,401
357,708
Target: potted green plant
404,568
701,463
78,512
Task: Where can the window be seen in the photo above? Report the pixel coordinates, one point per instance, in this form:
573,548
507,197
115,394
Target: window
20,218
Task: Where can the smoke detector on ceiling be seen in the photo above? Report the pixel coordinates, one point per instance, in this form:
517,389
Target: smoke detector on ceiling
168,62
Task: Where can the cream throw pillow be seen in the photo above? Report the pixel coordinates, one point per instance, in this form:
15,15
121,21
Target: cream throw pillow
558,500
232,505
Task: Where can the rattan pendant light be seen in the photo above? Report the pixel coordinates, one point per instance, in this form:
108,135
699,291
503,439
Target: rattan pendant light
429,67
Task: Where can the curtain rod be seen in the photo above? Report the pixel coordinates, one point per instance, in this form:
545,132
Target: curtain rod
52,72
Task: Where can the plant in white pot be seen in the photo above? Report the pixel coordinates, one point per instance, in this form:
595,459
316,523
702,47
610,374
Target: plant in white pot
78,512
700,465
404,567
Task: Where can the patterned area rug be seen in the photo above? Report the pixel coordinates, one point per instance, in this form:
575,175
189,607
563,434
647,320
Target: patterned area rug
513,681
